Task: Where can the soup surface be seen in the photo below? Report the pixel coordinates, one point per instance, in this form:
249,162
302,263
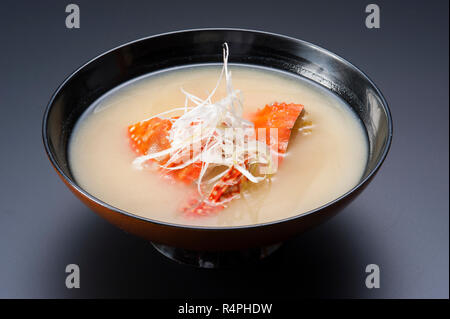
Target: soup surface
326,156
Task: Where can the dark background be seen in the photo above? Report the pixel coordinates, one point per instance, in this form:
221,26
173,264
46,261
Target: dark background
400,222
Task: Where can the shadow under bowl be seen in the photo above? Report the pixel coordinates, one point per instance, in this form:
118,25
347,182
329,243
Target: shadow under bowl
143,56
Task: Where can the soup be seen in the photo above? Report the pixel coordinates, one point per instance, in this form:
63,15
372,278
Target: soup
325,157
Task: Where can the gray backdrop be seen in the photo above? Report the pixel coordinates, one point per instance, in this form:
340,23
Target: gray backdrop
400,222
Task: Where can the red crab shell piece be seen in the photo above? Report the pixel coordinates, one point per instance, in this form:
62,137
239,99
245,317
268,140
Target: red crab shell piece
281,116
153,135
223,191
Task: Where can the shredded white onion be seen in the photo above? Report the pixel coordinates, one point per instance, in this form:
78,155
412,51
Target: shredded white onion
214,133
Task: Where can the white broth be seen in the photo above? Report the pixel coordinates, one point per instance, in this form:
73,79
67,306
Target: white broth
321,164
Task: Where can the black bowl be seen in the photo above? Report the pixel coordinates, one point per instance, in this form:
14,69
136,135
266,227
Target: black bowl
137,58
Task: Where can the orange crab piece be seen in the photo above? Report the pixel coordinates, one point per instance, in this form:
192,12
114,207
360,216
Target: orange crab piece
195,207
227,187
281,116
186,175
224,190
150,135
153,135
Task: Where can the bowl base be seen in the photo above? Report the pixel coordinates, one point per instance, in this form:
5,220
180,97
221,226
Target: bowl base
219,259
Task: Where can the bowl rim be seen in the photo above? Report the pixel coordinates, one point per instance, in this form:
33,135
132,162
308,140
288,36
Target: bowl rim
98,201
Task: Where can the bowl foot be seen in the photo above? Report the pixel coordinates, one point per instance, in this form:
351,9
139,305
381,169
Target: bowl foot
219,259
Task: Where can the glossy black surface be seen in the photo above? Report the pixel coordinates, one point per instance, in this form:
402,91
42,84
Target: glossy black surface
234,259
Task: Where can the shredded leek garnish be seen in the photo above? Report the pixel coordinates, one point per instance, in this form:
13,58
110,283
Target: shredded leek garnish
215,134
